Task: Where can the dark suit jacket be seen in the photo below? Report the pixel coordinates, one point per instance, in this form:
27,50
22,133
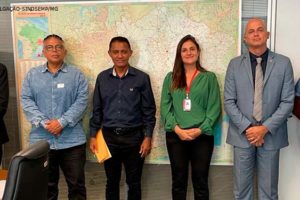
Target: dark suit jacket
4,94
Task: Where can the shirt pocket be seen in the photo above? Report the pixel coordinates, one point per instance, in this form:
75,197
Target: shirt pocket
132,93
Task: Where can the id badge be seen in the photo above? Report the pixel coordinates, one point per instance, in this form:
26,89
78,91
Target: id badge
60,85
187,105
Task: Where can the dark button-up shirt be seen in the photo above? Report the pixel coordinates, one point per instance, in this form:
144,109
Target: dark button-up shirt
125,102
264,61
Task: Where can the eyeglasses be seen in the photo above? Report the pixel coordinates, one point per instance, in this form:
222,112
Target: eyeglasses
54,48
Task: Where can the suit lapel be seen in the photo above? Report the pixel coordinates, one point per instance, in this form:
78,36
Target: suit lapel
247,64
270,66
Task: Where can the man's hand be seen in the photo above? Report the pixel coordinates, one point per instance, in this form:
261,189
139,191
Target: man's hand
145,147
93,145
256,134
259,143
53,126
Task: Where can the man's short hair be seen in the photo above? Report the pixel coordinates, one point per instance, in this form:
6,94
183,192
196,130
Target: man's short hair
119,39
53,36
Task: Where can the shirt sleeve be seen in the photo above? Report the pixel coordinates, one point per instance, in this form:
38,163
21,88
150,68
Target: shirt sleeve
76,111
213,108
148,108
166,105
31,110
97,116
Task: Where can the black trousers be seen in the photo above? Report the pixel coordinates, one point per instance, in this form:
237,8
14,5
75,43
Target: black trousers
71,161
197,152
124,147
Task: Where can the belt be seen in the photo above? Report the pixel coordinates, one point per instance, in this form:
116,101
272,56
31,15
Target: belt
122,131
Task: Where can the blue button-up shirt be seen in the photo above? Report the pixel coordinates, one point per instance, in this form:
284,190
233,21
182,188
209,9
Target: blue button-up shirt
125,102
62,96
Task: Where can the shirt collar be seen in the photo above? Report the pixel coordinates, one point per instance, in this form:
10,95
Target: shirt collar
63,67
129,71
264,56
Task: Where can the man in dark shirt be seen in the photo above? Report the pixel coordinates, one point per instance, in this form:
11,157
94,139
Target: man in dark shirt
124,108
3,106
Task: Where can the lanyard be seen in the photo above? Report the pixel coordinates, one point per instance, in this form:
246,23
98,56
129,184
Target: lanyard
188,87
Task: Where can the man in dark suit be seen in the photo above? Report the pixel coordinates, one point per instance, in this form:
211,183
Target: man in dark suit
3,106
258,98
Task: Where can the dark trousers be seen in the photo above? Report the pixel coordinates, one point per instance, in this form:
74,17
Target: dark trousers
197,152
124,148
71,161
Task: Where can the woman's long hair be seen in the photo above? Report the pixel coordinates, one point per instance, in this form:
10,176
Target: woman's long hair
178,75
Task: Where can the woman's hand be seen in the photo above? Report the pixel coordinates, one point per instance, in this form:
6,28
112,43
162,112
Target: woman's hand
195,132
187,134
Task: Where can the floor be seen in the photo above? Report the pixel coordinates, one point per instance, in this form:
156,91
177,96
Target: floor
156,183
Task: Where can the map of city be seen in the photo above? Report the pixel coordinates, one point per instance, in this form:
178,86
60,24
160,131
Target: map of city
154,29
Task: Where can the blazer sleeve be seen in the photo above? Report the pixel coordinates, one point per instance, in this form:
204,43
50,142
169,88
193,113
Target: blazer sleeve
286,104
230,99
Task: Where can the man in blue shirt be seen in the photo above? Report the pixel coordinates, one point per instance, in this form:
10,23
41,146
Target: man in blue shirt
54,98
124,108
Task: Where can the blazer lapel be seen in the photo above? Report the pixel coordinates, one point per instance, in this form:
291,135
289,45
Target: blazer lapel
270,66
247,63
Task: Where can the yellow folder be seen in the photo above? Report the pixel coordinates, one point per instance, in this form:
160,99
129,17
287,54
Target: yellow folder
102,153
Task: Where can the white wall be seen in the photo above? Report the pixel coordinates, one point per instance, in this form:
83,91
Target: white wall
287,42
